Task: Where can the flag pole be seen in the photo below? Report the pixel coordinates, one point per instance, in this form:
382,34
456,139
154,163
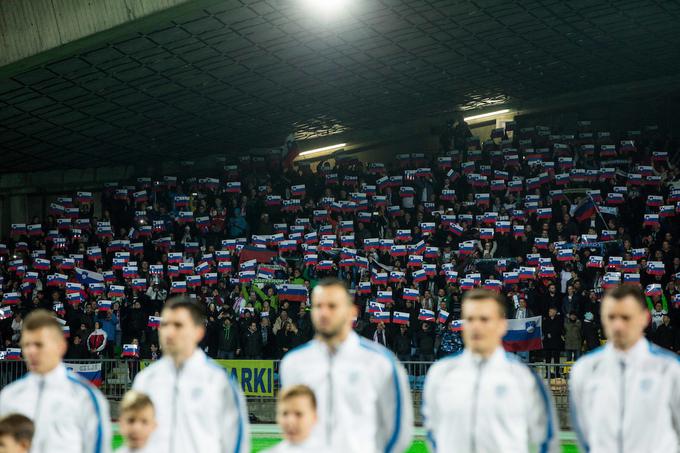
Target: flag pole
597,209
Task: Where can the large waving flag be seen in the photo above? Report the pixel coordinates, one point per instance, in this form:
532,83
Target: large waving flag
523,335
585,210
86,277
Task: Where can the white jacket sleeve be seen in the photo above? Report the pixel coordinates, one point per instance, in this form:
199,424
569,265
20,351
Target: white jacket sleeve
235,435
96,421
428,410
675,400
543,424
395,411
576,409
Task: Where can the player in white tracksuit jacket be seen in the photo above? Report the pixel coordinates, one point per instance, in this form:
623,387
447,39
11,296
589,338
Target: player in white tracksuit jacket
198,407
70,414
625,396
363,397
484,399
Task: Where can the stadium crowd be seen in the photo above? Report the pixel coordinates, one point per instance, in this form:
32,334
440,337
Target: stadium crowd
551,219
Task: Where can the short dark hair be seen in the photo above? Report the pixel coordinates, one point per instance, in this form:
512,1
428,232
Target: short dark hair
627,290
39,319
328,282
182,302
18,426
485,294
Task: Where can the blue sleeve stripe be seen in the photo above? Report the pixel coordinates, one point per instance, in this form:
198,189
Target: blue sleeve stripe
545,445
237,402
397,389
99,442
577,427
430,438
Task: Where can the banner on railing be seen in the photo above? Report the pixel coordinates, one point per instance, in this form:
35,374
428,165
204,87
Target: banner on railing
255,376
90,371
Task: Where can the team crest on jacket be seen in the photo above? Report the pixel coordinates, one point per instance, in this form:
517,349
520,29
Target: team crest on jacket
196,392
645,385
501,390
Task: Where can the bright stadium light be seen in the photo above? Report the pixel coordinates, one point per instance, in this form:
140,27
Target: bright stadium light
486,115
326,7
322,149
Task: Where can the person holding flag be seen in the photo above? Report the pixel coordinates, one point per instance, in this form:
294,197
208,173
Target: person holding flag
625,396
484,399
362,390
198,407
69,413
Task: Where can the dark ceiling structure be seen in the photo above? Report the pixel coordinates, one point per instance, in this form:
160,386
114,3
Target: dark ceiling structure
243,74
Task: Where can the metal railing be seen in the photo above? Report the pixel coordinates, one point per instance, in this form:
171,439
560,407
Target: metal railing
117,376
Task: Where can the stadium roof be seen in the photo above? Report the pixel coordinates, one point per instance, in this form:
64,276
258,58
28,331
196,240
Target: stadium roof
238,74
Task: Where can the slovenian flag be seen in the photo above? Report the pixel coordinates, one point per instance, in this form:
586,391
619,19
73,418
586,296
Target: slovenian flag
375,307
653,290
419,276
130,350
565,255
414,261
178,287
233,187
651,220
139,284
41,264
381,316
384,296
442,316
656,268
523,335
510,278
400,317
595,261
486,233
585,210
154,321
293,292
104,305
456,325
298,191
12,298
632,278
364,288
451,276
611,279
116,291
13,354
493,285
426,315
410,294
466,248
5,312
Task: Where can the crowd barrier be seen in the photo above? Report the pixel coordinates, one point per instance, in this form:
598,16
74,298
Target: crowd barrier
259,380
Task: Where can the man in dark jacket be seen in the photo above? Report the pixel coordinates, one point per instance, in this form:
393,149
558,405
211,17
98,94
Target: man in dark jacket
268,339
251,342
77,349
665,334
426,343
553,329
591,334
401,345
228,340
